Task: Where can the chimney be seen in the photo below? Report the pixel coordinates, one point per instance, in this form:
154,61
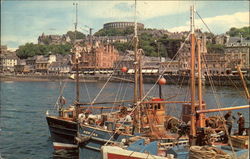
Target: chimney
241,38
112,49
90,36
73,58
204,44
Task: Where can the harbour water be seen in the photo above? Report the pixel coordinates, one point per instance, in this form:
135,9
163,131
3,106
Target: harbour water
23,128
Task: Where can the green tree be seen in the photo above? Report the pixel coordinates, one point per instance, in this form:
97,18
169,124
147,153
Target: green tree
244,31
215,48
122,47
30,50
79,35
147,43
115,31
27,50
169,47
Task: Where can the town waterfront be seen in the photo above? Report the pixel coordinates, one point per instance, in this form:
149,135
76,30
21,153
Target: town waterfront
23,128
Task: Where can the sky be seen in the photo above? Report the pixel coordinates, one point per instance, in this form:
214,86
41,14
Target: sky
23,21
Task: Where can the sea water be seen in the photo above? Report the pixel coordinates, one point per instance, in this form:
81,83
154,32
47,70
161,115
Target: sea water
24,132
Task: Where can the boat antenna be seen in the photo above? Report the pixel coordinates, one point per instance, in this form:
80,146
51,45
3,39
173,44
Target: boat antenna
76,4
192,76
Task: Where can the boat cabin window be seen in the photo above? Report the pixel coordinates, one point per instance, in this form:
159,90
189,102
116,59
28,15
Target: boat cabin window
68,114
156,106
150,106
159,106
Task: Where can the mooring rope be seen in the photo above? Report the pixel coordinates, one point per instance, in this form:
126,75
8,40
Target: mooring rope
199,152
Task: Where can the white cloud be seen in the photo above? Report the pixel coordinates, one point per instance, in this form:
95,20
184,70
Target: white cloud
145,9
218,24
14,41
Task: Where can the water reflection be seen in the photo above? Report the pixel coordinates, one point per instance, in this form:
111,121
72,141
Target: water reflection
66,154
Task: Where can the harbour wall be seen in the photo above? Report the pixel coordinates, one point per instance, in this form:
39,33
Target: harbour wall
229,80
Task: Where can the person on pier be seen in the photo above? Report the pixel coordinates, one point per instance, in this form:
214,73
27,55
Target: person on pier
229,123
241,123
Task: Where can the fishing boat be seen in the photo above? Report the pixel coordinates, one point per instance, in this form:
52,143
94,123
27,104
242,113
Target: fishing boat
146,117
137,149
204,140
63,124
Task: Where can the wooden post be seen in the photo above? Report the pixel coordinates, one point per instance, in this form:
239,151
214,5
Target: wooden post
192,75
140,75
137,110
243,83
77,81
201,122
223,109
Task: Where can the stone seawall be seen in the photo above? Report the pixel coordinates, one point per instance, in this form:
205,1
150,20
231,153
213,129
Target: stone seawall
171,79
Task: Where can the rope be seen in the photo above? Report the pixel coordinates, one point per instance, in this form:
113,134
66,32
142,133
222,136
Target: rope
241,94
106,82
218,103
121,125
203,22
165,69
203,152
138,103
87,90
60,94
117,95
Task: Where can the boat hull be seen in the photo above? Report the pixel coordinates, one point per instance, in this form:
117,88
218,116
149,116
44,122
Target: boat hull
96,138
63,132
114,152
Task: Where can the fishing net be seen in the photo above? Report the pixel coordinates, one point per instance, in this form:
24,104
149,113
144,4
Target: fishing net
200,152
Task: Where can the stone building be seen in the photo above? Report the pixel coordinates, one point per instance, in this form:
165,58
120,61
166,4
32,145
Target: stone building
8,60
3,49
221,39
170,67
42,63
237,53
126,60
211,63
237,56
59,67
96,57
53,39
214,64
237,42
150,65
21,67
118,25
62,64
112,39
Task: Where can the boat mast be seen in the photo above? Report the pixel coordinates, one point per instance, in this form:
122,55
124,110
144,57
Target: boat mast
137,122
201,116
77,61
243,83
192,76
136,59
140,76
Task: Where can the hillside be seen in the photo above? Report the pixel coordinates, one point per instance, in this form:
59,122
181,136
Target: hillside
153,42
